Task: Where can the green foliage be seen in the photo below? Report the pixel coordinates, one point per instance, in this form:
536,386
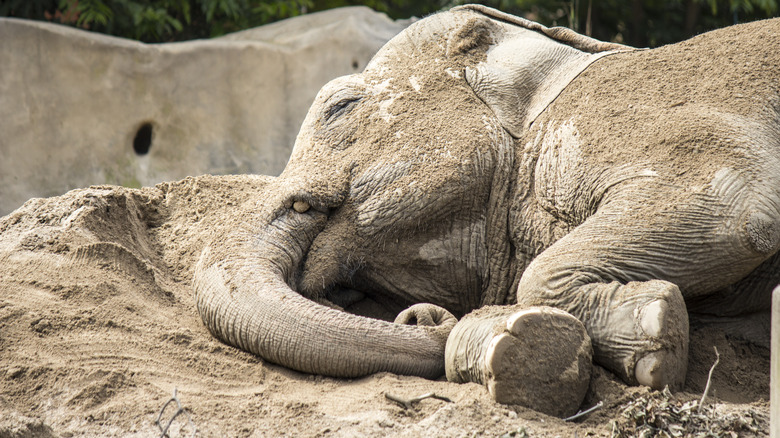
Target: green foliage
89,12
35,9
635,22
158,20
268,11
639,23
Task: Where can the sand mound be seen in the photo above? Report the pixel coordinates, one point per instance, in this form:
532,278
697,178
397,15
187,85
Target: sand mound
98,326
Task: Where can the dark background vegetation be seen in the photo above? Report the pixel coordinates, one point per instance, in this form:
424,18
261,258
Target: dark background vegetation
642,23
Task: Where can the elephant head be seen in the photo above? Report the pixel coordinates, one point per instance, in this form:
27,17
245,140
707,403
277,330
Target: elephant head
398,187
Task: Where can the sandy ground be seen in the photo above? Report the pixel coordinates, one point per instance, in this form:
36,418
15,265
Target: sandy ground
98,328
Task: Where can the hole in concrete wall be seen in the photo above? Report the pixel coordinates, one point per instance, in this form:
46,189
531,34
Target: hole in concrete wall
143,139
355,64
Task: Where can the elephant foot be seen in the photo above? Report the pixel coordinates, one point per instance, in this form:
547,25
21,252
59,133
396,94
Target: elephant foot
537,357
645,338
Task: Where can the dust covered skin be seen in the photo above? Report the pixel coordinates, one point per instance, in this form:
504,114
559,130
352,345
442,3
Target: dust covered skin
682,167
414,183
377,133
389,195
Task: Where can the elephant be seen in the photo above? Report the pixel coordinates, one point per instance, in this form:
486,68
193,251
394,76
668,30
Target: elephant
483,161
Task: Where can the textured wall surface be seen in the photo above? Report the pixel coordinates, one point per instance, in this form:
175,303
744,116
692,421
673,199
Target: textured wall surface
79,108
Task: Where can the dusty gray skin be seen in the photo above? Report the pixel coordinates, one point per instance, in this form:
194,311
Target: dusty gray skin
424,180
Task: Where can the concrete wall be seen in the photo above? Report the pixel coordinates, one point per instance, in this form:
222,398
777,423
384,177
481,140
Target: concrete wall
73,103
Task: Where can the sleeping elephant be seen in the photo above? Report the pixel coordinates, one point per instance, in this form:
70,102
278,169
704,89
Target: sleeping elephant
485,160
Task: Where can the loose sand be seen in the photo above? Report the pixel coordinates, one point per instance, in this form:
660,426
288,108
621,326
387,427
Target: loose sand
98,327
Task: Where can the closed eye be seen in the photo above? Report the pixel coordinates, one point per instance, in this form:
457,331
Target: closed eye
340,108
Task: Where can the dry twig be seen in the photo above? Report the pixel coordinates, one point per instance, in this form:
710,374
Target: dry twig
179,410
409,404
585,412
709,380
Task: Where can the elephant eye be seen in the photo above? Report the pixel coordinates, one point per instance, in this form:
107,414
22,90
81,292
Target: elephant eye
340,108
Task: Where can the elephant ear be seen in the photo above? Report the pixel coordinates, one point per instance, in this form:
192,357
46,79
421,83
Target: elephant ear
529,66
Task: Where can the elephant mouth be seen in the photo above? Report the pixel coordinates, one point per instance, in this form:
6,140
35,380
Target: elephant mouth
357,302
332,273
344,290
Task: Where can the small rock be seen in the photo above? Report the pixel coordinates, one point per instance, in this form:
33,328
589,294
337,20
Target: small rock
301,206
385,423
14,372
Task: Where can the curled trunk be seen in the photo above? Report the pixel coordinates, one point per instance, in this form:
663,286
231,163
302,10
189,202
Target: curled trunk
244,298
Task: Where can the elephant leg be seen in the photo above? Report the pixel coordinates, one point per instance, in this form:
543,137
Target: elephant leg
538,357
751,294
741,310
621,273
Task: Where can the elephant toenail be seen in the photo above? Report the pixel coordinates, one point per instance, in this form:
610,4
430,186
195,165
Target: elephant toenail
652,322
517,322
649,371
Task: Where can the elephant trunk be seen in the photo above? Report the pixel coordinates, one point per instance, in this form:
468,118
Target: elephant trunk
244,298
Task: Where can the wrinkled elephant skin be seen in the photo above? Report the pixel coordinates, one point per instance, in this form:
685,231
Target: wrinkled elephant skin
482,159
